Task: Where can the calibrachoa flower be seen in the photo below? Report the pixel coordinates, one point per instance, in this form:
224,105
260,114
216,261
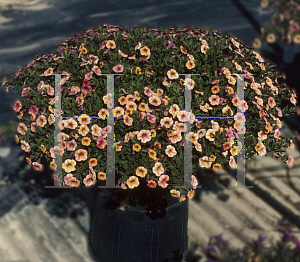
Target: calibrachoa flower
150,120
284,25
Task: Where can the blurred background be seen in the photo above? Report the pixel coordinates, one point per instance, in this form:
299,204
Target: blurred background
44,224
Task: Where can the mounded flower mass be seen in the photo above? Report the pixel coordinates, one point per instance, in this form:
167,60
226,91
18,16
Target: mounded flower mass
149,106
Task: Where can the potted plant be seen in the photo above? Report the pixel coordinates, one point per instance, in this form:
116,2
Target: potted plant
284,27
144,217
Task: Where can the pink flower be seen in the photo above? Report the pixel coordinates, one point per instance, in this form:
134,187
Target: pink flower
71,145
33,109
151,118
294,27
147,91
17,106
37,166
101,143
290,162
88,76
118,68
25,90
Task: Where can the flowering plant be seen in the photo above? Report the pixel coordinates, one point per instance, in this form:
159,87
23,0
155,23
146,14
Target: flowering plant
254,250
149,114
285,23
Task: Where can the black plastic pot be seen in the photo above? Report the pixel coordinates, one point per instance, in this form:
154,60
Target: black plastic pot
137,234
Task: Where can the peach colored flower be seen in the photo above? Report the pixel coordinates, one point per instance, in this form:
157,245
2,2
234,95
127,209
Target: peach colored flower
162,182
110,44
166,121
182,116
190,64
22,129
174,110
132,182
69,165
172,74
41,121
189,83
204,162
144,136
101,176
214,99
80,155
86,141
290,162
154,100
191,194
193,137
83,130
260,148
170,151
136,147
141,171
232,162
25,146
271,102
17,106
175,193
204,48
194,182
118,111
210,134
48,72
73,182
71,123
93,162
158,169
127,120
84,119
176,137
151,184
89,181
96,130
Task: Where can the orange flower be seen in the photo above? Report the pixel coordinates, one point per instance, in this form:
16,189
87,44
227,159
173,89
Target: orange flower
260,148
86,141
151,184
191,194
204,162
132,182
110,44
101,176
136,147
141,171
217,167
93,162
190,64
175,193
215,89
